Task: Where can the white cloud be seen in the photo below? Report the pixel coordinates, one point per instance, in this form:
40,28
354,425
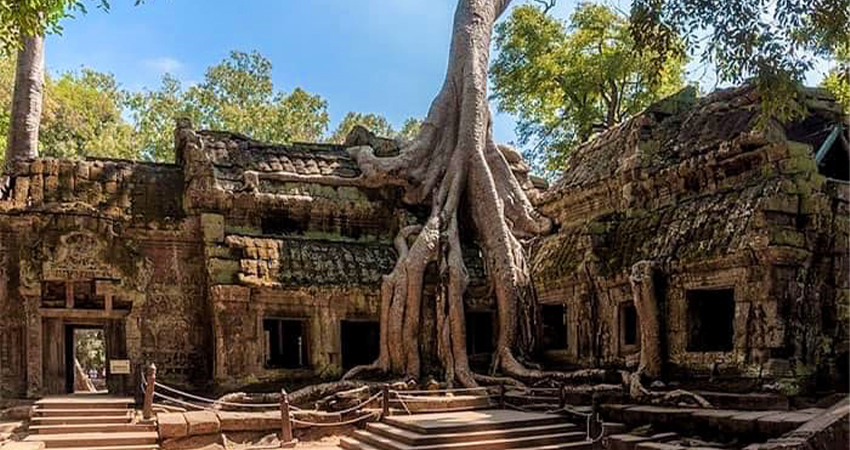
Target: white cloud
163,65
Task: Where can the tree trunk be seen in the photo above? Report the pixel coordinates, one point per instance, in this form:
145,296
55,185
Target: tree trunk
26,102
454,158
646,305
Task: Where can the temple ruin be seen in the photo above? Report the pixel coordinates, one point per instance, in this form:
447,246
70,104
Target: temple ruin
245,262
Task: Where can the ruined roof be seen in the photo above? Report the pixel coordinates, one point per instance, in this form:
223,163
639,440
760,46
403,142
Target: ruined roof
95,186
303,262
683,126
237,158
700,227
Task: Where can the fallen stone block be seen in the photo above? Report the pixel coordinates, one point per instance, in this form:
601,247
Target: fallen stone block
249,421
172,425
202,422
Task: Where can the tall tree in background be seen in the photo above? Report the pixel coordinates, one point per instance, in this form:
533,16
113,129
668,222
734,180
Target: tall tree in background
375,123
775,42
27,99
565,80
237,94
23,24
82,115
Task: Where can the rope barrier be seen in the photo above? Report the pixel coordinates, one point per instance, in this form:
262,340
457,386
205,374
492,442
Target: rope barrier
181,402
334,424
360,405
216,402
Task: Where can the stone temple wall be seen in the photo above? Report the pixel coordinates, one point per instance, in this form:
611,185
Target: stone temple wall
738,221
105,244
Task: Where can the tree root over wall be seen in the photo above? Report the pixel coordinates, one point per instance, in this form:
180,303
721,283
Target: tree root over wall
454,161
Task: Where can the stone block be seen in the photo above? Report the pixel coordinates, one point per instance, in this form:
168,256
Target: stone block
172,425
744,423
213,227
249,421
778,424
202,422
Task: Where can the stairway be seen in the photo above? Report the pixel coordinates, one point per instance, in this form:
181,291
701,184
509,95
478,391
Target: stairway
470,430
98,422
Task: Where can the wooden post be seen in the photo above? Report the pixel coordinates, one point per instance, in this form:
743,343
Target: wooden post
285,423
562,396
502,395
150,379
385,399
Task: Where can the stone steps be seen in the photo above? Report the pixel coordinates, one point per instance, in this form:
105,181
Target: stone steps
91,427
469,430
414,439
80,412
95,439
89,422
70,420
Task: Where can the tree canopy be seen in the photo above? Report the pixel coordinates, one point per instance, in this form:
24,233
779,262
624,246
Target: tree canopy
237,94
563,80
774,42
21,18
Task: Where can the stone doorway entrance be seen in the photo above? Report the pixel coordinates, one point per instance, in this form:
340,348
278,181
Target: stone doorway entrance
85,359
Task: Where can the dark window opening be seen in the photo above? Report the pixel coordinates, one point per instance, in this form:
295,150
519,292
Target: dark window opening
711,316
554,327
629,328
286,343
280,224
84,296
479,333
360,342
833,155
53,294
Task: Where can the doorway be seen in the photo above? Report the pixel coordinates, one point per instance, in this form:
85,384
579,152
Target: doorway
360,341
85,359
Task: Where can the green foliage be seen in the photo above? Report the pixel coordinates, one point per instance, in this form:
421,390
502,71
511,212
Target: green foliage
237,94
373,122
774,41
20,18
410,129
90,350
81,115
565,80
837,81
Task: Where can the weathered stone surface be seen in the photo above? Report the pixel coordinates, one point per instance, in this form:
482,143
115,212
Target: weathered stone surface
172,425
246,421
202,422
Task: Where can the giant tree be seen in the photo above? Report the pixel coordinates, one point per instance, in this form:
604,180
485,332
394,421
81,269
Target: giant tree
454,161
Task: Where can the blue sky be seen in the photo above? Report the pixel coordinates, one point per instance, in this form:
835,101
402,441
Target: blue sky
382,56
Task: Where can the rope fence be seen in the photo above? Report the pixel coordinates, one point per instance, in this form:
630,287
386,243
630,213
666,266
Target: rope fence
155,390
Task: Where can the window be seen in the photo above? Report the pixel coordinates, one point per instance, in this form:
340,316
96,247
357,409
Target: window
360,342
833,155
286,343
554,327
53,294
479,333
280,224
711,315
629,326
